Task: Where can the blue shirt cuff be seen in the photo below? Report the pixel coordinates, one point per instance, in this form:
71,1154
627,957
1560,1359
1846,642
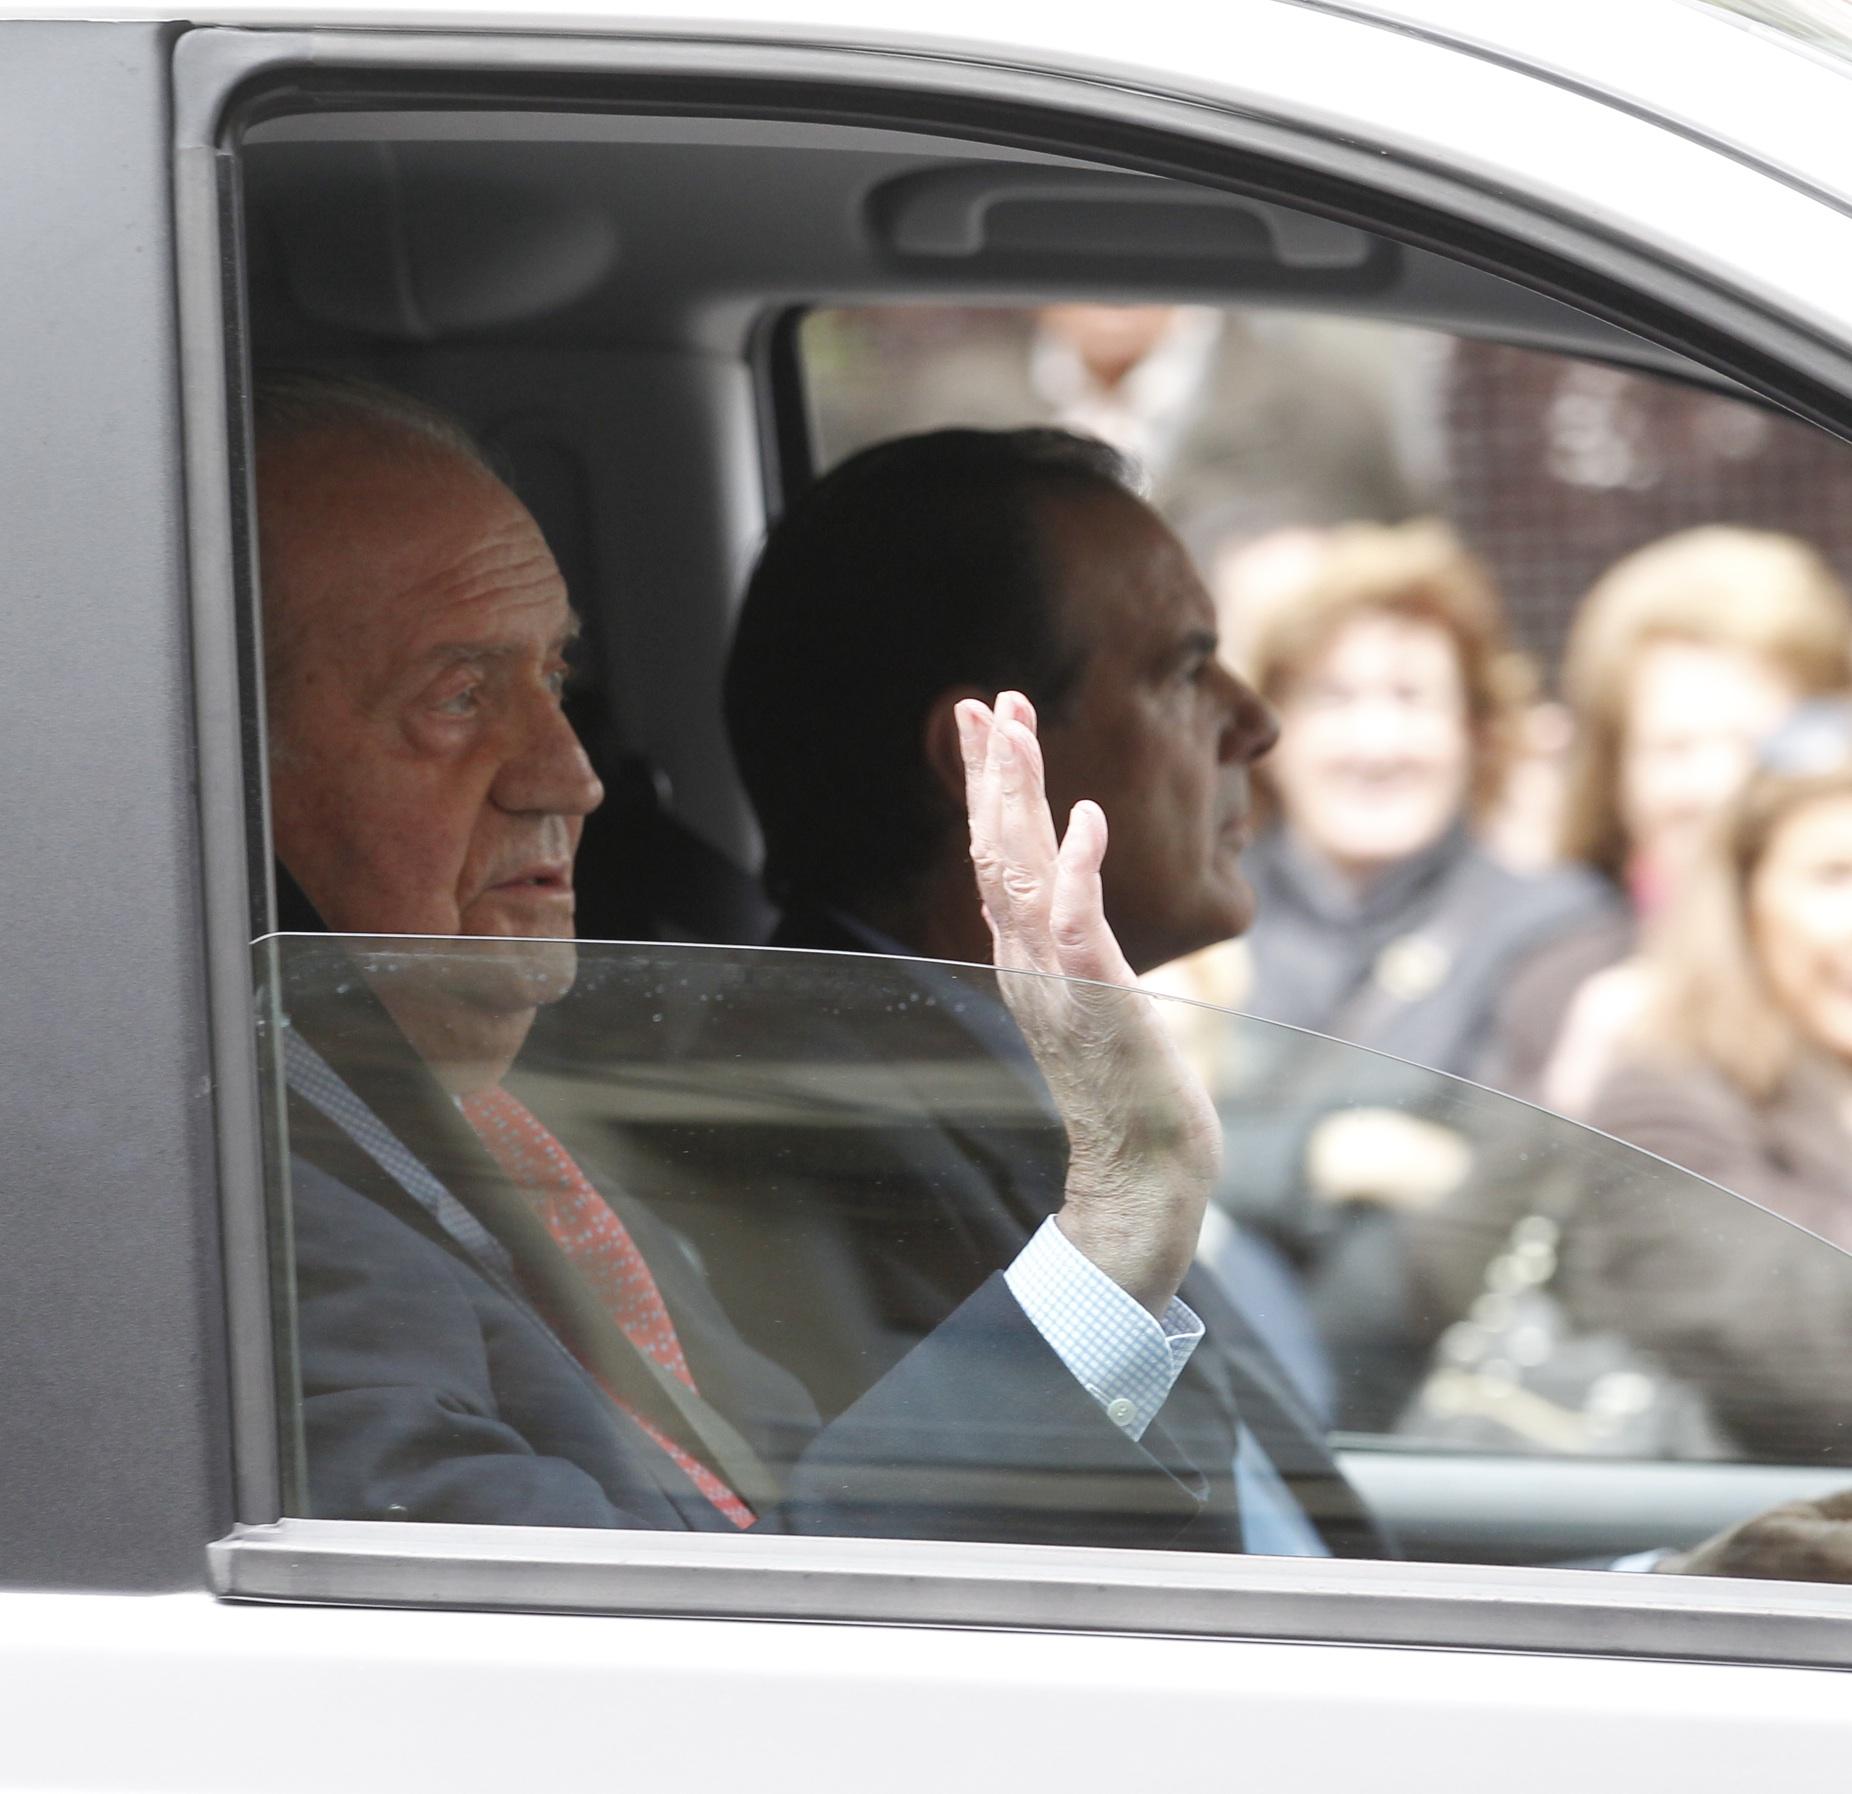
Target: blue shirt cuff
1122,1357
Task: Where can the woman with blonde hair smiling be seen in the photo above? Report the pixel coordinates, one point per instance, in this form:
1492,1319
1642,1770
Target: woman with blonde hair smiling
1683,655
1739,1067
1382,919
1381,916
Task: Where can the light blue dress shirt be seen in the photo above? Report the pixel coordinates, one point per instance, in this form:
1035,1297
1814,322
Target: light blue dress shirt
1123,1356
1128,1362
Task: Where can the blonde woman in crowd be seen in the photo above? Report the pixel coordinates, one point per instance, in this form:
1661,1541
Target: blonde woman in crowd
1381,919
1683,656
1739,1066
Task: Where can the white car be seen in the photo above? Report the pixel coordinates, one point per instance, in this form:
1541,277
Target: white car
592,235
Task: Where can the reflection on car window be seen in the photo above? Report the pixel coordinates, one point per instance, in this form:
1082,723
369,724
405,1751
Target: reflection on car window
736,1239
1493,1277
1535,630
1818,25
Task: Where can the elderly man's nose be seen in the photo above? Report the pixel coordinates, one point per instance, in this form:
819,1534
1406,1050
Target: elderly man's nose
548,770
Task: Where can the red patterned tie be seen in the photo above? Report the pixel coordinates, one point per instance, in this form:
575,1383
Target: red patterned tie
587,1229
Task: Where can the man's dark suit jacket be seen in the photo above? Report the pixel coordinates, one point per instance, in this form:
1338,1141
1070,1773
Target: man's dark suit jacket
899,1154
433,1389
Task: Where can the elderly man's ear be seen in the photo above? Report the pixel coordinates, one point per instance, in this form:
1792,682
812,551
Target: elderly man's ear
939,740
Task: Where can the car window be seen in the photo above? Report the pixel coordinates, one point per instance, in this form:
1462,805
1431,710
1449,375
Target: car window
722,1248
728,1247
1479,866
1247,422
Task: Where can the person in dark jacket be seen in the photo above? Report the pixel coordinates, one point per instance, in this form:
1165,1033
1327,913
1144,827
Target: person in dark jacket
490,1327
1383,922
914,573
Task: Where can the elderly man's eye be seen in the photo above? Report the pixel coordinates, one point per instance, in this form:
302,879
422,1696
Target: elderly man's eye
459,703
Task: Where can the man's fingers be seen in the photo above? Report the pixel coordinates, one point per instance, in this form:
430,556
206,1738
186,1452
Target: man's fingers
1084,943
1025,796
1014,852
1794,1544
1013,707
994,780
1799,1541
974,721
983,793
1015,862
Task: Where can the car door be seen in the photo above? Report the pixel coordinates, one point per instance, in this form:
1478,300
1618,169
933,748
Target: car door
158,1431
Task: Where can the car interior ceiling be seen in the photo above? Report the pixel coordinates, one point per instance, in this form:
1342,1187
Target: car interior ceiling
591,293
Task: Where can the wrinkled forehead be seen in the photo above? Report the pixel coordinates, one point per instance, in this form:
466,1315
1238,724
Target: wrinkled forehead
381,542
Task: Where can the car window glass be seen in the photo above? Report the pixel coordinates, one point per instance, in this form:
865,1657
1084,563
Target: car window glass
721,1249
1246,422
1528,622
1814,25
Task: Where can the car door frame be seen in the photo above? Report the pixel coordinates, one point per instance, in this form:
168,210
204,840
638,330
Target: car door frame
224,77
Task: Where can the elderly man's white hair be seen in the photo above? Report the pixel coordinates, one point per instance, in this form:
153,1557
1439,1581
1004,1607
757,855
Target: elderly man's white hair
289,406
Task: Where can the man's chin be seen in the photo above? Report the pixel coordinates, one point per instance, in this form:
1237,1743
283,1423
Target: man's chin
487,973
1232,911
523,946
1242,911
516,974
466,1003
1228,914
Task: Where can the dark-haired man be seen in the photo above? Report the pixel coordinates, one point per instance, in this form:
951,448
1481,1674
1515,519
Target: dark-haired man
932,566
902,582
907,580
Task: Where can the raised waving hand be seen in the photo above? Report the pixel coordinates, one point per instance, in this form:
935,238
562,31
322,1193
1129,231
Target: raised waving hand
1144,1140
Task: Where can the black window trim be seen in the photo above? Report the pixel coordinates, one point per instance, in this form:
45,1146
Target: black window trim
781,394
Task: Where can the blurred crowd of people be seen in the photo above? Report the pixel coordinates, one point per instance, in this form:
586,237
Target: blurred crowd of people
1619,888
1674,976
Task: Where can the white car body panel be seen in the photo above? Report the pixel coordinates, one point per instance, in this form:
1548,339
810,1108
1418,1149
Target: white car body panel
177,1691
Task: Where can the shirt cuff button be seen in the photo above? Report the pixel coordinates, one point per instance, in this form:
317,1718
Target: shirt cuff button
1120,1411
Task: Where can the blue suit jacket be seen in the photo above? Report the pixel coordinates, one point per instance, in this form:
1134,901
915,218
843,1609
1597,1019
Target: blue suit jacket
875,1152
433,1390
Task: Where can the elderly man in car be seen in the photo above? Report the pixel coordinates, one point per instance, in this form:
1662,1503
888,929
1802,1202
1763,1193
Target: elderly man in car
488,1331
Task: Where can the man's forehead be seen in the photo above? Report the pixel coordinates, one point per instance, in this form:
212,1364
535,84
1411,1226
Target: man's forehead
1125,579
414,554
556,630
